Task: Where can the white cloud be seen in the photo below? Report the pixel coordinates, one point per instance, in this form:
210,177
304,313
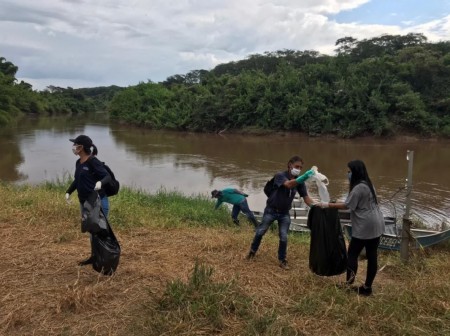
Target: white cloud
123,42
436,30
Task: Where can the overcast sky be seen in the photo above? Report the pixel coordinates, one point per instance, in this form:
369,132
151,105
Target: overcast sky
86,43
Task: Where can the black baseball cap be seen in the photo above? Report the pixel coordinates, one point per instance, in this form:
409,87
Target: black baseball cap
215,193
82,140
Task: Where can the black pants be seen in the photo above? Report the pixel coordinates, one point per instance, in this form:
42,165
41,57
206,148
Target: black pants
354,249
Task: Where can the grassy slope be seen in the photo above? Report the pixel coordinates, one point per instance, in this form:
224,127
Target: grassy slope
183,272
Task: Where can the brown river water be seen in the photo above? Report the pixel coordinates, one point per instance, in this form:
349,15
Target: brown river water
38,150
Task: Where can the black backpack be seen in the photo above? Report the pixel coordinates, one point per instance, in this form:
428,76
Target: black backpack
111,188
269,188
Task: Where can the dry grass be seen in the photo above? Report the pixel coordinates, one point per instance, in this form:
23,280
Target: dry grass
43,292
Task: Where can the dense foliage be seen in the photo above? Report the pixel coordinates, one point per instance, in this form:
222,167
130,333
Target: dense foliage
15,98
76,101
378,86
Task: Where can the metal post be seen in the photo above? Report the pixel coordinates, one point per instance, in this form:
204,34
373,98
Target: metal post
404,246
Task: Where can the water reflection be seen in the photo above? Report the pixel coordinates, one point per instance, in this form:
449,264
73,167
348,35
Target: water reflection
11,157
38,150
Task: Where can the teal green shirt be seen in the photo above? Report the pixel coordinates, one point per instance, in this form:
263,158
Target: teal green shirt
229,195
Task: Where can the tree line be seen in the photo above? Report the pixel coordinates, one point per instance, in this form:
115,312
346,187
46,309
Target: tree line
15,98
380,86
19,98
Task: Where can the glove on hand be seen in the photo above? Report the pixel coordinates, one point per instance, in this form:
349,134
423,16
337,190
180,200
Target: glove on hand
98,185
305,176
67,198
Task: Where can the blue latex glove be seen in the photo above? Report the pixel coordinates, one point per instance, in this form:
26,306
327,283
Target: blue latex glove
305,176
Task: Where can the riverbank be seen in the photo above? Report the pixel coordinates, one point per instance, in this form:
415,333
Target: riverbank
182,272
256,131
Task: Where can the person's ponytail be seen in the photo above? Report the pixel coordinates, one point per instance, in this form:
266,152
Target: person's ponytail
95,151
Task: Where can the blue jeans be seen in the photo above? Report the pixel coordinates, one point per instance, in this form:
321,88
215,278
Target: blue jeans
284,221
243,206
105,206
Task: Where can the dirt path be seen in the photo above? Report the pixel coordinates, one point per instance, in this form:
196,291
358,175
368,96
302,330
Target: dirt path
43,292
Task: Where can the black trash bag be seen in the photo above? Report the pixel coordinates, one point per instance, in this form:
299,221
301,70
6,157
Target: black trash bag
92,218
105,251
327,254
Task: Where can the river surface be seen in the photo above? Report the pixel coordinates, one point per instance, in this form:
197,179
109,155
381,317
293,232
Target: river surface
38,150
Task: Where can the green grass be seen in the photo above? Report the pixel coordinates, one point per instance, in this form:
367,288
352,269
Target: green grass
203,306
199,299
234,297
134,208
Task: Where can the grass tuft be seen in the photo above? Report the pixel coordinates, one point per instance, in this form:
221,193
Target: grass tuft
199,304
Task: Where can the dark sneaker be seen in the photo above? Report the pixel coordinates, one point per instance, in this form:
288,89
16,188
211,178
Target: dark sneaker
250,255
363,290
236,221
284,264
88,261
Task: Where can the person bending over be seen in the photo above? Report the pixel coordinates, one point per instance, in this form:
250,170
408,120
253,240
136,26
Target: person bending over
238,199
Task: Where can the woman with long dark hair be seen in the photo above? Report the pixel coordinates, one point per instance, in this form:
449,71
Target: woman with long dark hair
367,224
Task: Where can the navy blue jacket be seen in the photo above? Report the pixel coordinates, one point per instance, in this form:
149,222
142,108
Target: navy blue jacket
281,199
86,175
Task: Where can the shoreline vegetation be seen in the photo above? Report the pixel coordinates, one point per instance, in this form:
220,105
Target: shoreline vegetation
384,86
182,272
403,136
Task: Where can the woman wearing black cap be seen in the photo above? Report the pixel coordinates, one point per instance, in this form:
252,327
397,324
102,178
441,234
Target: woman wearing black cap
90,175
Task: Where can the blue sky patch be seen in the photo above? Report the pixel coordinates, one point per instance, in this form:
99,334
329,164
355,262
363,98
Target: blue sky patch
401,13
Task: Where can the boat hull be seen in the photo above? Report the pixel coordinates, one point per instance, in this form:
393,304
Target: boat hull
390,240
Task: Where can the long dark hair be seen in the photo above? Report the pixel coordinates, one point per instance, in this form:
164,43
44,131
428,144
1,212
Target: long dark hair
360,175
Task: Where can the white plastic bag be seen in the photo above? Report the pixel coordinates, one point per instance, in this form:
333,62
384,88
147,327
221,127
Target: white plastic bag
321,182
